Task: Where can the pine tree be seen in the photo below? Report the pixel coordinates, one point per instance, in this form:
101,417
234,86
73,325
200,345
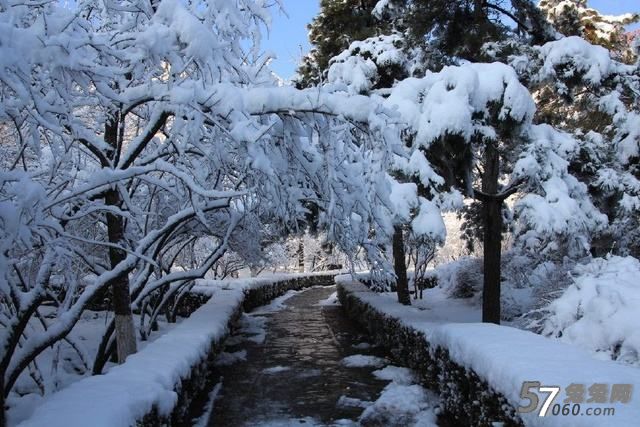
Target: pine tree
460,28
576,18
428,34
338,24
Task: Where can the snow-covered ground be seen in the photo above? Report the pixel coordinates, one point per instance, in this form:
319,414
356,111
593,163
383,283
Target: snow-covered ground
62,364
595,308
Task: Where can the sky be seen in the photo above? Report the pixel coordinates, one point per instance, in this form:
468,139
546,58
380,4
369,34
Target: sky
288,41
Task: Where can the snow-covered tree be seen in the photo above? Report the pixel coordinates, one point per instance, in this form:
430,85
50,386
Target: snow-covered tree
141,128
583,91
576,18
459,29
338,23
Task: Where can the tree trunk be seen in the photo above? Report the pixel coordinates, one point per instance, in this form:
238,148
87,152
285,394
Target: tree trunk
400,267
301,255
254,271
492,219
120,294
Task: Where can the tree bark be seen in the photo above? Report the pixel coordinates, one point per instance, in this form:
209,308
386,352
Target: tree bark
120,293
400,266
492,221
301,255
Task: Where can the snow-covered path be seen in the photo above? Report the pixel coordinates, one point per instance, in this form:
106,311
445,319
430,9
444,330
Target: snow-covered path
295,373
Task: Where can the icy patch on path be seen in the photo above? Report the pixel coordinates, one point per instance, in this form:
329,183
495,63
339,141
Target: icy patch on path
275,369
331,300
254,326
226,359
362,346
353,402
289,422
275,305
363,361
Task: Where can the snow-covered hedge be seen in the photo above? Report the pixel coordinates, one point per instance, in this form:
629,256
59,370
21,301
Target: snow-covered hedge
600,310
478,369
158,385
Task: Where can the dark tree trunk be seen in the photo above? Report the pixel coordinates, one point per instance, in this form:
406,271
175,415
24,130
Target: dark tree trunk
301,255
492,219
120,296
400,267
120,293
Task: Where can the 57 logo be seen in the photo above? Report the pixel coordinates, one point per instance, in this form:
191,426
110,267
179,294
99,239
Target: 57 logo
527,393
576,395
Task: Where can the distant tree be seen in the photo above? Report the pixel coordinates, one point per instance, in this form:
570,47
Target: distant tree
460,28
338,23
576,18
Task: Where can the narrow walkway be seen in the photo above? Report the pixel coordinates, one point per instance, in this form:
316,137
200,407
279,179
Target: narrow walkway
296,376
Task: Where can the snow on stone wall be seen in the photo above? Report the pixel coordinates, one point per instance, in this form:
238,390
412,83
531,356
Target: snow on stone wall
479,369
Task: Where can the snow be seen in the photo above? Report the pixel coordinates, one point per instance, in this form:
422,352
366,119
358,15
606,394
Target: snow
590,21
203,420
330,300
561,205
276,304
357,73
252,328
443,103
592,60
357,67
429,221
289,422
397,374
379,8
403,197
363,361
361,346
402,402
401,405
353,402
505,357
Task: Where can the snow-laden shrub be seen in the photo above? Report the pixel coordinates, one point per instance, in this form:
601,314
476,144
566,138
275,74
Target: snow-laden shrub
599,310
461,278
526,283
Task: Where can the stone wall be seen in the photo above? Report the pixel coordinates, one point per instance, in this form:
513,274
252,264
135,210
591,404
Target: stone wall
192,390
467,399
263,294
